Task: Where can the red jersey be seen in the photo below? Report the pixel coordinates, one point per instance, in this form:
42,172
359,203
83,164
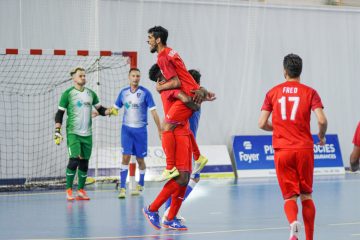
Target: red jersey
172,65
291,104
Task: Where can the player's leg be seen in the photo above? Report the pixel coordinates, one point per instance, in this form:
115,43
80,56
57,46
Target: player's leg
305,163
286,171
183,163
354,159
86,148
127,143
140,149
200,160
74,150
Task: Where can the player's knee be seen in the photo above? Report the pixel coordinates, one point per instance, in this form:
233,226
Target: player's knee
73,163
183,179
126,159
292,198
305,196
83,165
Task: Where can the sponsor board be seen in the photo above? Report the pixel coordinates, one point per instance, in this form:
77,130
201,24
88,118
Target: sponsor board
254,156
107,162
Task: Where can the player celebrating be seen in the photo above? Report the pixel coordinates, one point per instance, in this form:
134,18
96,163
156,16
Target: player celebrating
290,104
195,177
137,100
174,71
355,154
78,101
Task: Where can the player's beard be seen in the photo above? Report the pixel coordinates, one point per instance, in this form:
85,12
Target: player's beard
154,48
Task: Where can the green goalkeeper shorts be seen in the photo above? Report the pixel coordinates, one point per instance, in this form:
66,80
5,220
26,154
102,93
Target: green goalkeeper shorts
79,146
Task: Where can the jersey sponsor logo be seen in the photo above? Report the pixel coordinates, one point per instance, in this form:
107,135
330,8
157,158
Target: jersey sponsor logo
79,103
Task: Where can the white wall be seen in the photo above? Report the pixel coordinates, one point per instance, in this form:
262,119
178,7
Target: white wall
238,48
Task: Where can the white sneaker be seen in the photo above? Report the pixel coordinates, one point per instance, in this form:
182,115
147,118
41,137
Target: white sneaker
178,216
294,230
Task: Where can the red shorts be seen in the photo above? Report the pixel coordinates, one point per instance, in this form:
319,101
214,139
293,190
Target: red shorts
178,113
356,139
183,152
294,170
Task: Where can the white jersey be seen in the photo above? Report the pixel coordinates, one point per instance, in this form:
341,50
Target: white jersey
136,105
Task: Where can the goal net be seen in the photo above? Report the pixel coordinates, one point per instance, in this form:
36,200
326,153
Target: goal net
31,83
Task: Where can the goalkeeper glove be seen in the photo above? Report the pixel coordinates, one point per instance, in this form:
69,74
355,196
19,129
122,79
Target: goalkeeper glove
113,111
57,136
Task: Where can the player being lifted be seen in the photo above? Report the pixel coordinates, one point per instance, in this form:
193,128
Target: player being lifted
155,75
78,101
290,104
176,137
177,113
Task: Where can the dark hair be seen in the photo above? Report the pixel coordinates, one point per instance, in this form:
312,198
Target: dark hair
154,73
159,32
292,65
133,69
196,75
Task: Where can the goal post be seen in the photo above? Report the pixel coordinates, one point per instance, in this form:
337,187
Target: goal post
31,83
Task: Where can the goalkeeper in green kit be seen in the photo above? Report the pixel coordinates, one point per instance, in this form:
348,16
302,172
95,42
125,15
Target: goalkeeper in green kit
78,101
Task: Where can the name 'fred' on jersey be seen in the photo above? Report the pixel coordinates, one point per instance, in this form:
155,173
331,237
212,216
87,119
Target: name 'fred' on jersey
291,104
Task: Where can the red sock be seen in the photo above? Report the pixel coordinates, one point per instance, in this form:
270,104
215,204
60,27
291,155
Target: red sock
195,147
176,201
308,212
168,144
291,210
169,188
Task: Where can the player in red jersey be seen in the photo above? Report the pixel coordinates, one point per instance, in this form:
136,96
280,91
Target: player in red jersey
176,138
290,104
355,154
176,113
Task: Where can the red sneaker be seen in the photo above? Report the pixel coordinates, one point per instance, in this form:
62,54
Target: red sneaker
81,195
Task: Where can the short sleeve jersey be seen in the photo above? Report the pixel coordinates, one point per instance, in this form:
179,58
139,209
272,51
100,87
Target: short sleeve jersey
78,105
172,65
136,105
291,104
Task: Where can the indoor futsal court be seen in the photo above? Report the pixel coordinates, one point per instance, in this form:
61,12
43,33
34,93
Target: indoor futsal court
103,99
218,209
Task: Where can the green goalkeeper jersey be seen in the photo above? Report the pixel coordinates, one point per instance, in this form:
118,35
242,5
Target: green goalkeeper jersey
78,105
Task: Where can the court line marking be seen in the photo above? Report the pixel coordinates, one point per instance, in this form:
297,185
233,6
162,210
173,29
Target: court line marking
344,224
169,234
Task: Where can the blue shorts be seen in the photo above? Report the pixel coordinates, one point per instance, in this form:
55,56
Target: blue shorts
134,141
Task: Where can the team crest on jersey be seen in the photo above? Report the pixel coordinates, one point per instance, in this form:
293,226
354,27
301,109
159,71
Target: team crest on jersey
138,94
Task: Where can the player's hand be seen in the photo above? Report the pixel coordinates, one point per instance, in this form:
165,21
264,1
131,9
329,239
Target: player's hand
322,141
210,96
57,136
199,95
113,111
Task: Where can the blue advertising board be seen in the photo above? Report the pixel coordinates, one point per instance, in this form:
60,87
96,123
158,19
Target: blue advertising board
254,156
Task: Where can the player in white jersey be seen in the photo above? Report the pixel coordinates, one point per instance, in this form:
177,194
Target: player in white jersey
78,102
136,101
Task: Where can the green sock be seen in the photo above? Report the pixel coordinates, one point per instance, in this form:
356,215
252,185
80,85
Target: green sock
70,175
81,179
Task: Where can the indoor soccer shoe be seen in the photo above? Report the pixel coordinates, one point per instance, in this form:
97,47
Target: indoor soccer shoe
174,224
137,190
122,193
152,217
199,164
168,174
294,230
69,195
81,195
178,216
